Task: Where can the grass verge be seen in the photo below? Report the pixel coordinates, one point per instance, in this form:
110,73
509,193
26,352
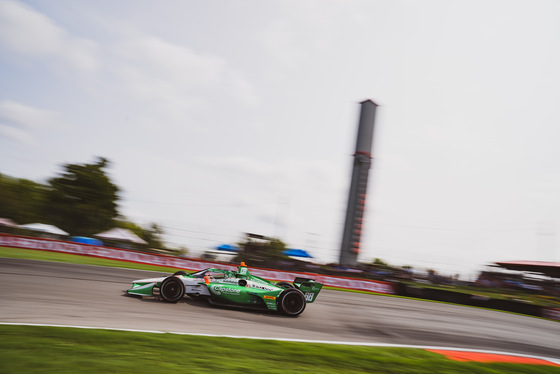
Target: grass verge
34,349
32,254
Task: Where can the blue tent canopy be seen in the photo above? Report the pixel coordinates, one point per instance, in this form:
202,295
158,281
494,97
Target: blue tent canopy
227,248
297,253
86,240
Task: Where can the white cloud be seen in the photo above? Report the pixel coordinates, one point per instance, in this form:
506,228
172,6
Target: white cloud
304,29
283,175
170,81
27,32
16,134
241,89
19,121
21,115
169,62
155,69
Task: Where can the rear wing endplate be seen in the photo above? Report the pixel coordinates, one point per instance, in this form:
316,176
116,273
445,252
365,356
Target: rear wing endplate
309,287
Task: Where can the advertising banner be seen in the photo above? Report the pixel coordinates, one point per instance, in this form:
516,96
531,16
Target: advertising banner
551,313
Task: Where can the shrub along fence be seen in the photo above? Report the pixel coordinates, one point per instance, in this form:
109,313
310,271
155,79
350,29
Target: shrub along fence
475,300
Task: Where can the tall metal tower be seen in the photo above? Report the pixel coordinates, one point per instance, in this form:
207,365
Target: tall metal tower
358,187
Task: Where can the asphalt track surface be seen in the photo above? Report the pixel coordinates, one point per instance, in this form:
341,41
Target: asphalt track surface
83,295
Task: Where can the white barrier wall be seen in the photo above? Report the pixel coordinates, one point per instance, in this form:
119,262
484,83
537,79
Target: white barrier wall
183,263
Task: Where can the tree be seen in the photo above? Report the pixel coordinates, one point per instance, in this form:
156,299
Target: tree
21,200
83,200
380,262
152,235
265,252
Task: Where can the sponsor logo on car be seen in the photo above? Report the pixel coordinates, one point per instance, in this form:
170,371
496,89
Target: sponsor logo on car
218,290
260,287
270,297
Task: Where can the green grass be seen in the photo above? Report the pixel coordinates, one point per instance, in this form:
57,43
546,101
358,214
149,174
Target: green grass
31,254
34,349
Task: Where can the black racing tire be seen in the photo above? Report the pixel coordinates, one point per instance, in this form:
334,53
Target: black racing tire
180,272
172,289
291,302
284,285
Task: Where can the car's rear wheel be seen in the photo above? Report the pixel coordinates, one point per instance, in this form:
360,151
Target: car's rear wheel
172,289
292,302
284,285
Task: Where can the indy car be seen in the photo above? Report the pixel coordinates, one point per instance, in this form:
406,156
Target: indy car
233,288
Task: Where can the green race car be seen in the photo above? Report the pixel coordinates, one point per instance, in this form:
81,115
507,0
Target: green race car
227,287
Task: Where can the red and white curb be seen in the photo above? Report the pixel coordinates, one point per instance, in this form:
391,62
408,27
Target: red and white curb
458,354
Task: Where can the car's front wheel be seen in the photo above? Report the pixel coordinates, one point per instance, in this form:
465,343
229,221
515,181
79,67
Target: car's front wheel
292,302
172,289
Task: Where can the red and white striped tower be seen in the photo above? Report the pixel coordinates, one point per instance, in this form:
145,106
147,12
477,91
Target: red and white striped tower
353,225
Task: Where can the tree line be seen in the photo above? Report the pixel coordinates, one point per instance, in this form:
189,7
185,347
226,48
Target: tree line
81,200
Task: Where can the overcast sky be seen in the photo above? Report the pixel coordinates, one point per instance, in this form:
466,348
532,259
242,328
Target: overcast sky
226,117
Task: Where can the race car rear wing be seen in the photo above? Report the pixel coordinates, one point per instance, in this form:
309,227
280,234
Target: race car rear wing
309,287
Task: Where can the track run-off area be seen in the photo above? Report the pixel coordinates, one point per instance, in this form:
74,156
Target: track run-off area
37,292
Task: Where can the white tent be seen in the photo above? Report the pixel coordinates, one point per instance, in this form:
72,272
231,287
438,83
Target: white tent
49,229
7,222
120,235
